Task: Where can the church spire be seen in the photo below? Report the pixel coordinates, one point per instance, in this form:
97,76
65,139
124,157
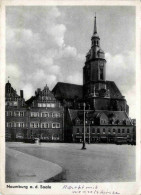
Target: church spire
95,27
95,35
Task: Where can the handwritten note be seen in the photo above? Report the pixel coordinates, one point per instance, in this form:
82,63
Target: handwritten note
87,189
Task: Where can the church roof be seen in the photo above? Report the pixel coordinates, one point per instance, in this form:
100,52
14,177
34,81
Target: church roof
71,91
68,91
114,91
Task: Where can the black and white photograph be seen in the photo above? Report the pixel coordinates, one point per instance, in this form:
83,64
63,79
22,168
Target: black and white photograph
70,95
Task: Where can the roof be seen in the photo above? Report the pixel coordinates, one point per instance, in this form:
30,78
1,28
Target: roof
114,91
120,115
10,89
29,101
71,91
68,91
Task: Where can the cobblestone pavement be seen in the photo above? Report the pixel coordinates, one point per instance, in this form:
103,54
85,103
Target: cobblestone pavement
99,163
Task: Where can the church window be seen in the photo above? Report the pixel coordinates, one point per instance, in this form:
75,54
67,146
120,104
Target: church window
101,73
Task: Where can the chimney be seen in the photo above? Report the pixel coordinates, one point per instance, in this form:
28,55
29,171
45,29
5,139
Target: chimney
21,93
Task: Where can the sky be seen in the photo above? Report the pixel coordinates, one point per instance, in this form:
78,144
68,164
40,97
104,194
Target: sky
46,45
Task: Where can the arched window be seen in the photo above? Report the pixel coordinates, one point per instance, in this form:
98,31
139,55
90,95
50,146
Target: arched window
101,73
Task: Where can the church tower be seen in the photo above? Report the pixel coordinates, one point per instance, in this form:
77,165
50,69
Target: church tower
94,71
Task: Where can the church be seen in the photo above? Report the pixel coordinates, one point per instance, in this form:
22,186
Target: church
58,115
107,111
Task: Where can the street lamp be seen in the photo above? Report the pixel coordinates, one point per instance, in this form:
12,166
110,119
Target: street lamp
84,141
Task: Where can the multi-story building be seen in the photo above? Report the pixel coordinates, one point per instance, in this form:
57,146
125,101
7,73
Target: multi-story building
16,114
45,116
100,126
39,117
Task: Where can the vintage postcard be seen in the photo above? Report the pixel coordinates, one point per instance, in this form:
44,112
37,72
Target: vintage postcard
70,97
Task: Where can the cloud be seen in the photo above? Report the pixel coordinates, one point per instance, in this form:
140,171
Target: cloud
121,69
54,12
76,78
68,52
28,90
57,31
13,71
131,100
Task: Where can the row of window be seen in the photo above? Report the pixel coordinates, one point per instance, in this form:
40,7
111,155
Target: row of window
47,105
11,103
15,124
44,98
103,130
17,113
33,114
46,114
33,125
102,121
45,125
20,135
